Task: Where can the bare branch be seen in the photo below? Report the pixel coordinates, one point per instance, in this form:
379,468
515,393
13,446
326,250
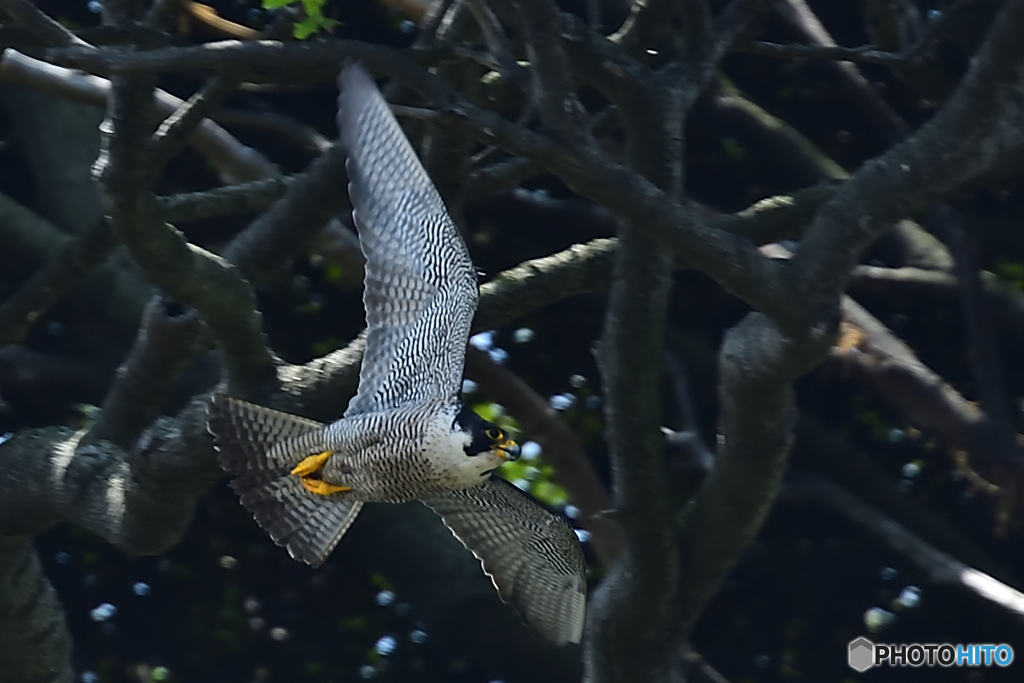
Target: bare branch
866,54
737,20
255,60
494,36
790,150
734,262
552,78
176,128
940,567
184,272
628,614
49,31
1005,301
139,501
646,22
534,284
278,233
306,138
234,160
803,18
49,284
36,647
929,403
998,433
503,175
230,199
962,140
147,377
757,365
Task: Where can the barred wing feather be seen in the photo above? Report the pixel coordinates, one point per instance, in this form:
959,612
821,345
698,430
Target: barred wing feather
532,556
420,286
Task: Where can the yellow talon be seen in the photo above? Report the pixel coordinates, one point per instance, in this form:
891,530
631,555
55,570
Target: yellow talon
321,487
313,463
308,472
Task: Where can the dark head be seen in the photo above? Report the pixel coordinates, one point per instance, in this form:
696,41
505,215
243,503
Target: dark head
486,437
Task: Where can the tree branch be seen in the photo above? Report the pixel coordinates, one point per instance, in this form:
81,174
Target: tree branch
184,272
256,60
1005,301
281,231
233,160
36,645
147,378
757,366
865,54
49,284
534,284
553,88
645,24
998,433
939,567
178,126
247,197
49,31
802,17
960,141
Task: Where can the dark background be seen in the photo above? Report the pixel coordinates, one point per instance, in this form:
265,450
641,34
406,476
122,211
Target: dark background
227,605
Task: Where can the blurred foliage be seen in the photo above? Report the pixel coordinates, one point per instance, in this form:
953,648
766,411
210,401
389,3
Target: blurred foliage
313,20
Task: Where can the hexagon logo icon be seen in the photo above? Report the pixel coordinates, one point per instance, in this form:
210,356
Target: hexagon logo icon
861,654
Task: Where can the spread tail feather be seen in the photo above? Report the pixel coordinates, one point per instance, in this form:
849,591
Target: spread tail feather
308,525
252,441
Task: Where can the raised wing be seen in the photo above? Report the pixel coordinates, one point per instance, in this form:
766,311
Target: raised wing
420,286
533,557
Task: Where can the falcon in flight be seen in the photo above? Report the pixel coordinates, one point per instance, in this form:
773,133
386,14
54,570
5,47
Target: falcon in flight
406,435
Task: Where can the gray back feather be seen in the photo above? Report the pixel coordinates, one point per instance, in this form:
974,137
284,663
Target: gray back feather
420,286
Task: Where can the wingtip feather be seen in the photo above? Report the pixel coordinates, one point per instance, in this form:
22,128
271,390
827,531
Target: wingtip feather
355,88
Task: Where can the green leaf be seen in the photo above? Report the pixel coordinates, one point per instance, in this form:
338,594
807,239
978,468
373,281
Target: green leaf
305,28
315,20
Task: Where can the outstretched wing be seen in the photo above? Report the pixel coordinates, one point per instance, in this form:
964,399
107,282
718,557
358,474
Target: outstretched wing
532,556
420,287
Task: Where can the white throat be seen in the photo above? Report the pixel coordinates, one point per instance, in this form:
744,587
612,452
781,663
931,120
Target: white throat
444,444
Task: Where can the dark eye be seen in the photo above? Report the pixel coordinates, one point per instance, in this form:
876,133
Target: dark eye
493,433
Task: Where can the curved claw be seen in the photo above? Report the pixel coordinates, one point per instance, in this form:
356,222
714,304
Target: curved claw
308,471
312,464
321,487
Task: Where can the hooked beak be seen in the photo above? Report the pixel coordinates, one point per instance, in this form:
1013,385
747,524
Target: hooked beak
508,450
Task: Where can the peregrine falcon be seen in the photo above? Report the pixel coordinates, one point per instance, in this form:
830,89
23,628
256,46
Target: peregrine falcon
406,434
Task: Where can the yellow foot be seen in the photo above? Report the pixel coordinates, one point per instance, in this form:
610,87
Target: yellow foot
308,472
321,487
312,464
